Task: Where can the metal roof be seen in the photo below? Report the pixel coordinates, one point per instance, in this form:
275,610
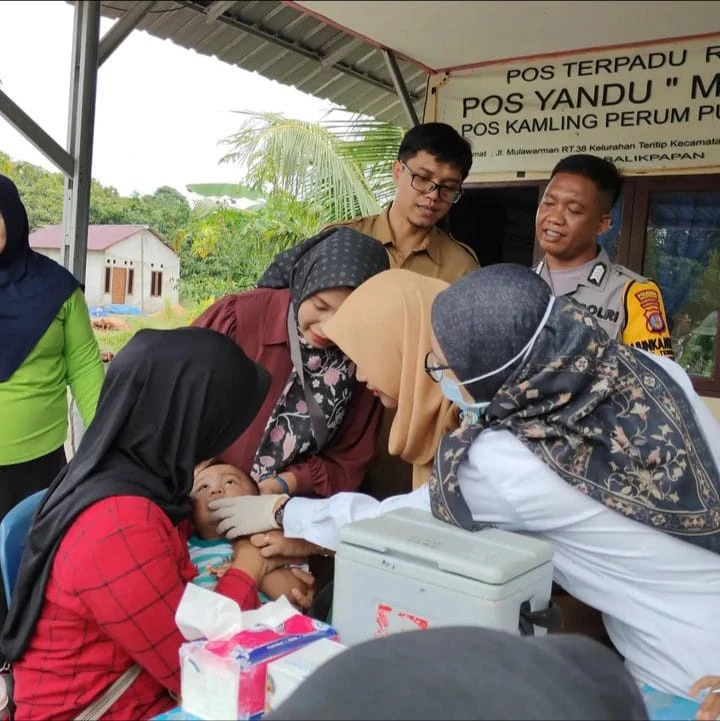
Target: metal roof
282,43
99,237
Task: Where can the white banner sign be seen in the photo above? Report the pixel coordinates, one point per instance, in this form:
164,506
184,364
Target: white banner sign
645,108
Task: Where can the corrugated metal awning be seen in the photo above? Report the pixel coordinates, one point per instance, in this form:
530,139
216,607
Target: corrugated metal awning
280,42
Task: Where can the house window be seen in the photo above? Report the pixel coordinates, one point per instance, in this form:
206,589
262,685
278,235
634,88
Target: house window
156,283
107,280
131,281
682,253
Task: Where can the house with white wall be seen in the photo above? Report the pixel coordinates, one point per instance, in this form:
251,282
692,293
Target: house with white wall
127,264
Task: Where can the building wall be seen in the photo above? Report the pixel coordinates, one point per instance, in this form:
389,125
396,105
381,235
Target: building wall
144,253
94,274
95,278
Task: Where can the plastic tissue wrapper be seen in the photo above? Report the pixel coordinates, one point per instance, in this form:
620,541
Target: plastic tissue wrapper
224,665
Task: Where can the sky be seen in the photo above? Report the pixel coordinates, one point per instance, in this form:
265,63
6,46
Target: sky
161,109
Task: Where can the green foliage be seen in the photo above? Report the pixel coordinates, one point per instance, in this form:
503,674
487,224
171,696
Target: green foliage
698,353
342,168
701,314
303,175
166,210
226,250
42,192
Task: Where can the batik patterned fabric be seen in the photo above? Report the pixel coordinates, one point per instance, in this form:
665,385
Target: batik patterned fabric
606,418
335,258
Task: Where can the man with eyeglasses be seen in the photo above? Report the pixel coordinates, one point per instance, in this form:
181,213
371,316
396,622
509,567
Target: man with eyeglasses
432,163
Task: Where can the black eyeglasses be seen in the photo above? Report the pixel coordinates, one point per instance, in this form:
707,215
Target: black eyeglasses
434,370
426,186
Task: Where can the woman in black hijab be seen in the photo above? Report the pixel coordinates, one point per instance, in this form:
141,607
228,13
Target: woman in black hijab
315,434
46,345
106,561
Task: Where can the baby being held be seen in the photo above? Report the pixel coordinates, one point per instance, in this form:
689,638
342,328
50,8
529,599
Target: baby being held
211,553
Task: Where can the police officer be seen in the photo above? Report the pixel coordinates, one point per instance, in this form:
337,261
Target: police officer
573,212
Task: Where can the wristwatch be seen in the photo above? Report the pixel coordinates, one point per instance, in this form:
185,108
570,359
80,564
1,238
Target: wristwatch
280,513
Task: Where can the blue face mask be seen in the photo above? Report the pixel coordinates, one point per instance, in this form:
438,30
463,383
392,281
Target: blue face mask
451,389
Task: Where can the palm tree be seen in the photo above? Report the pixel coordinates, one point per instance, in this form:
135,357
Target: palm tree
342,168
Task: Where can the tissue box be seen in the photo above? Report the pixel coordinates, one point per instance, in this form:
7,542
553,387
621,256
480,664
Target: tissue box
285,674
226,679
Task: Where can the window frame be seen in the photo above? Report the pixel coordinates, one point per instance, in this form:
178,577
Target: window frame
156,283
633,243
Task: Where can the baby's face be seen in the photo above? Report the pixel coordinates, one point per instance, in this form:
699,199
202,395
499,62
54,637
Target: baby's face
213,482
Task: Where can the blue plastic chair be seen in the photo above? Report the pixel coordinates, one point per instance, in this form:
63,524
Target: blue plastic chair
14,530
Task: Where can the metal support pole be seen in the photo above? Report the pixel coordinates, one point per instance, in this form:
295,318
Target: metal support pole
81,122
24,124
122,27
400,87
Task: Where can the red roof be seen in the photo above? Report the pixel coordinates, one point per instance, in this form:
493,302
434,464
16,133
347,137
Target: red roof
100,237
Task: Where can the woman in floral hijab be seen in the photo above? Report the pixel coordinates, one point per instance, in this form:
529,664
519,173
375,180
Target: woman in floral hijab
315,434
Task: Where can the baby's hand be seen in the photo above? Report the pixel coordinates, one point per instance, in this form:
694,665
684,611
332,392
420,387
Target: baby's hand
219,569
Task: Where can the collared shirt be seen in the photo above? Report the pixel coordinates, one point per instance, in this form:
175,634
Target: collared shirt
438,256
257,321
658,594
627,305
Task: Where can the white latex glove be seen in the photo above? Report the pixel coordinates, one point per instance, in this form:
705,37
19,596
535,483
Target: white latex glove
245,515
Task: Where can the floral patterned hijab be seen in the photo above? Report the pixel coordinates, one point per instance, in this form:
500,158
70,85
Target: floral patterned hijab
607,419
335,258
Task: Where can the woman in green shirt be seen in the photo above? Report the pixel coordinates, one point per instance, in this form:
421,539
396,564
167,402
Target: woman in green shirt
46,345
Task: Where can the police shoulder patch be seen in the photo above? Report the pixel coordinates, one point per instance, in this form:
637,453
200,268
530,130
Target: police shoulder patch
598,272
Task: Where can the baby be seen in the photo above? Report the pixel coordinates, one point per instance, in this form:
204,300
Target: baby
211,553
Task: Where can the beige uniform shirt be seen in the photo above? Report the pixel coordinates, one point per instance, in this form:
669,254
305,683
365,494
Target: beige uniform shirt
438,256
628,306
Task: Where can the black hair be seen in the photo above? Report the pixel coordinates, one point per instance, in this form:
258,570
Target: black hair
602,172
442,141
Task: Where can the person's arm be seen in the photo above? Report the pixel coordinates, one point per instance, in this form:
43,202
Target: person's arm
646,324
341,465
317,520
131,584
220,316
320,520
85,373
281,582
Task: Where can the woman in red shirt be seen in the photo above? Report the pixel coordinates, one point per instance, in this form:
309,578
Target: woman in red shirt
315,433
106,562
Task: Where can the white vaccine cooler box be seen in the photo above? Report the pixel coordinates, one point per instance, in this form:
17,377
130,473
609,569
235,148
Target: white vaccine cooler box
407,570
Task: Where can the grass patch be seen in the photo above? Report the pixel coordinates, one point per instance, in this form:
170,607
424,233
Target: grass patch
170,317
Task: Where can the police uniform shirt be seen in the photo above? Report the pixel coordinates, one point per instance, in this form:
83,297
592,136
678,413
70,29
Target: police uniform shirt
627,305
438,256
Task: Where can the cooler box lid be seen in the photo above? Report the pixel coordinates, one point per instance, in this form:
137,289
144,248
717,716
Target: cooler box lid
491,555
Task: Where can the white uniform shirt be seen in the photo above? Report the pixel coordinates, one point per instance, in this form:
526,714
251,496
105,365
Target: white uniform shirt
659,596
